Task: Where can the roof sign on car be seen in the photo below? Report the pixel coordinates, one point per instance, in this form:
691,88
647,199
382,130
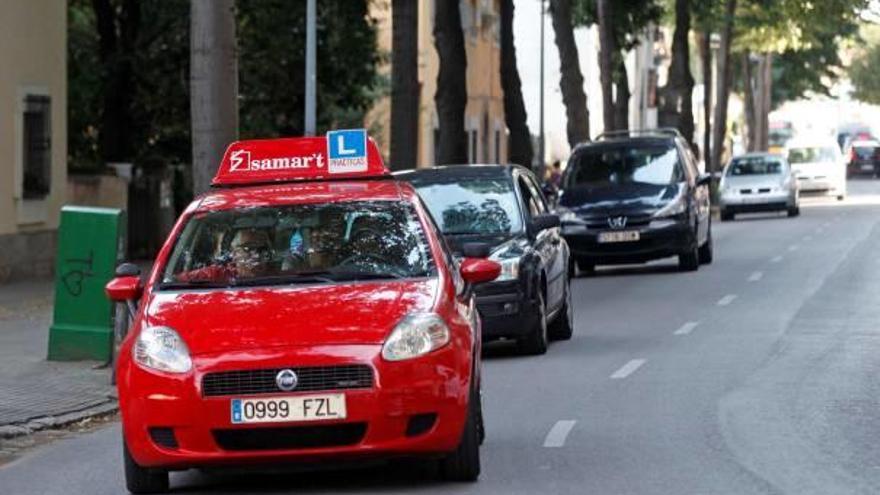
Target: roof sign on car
343,154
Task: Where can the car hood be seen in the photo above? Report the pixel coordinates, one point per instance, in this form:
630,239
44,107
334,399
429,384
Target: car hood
213,321
616,199
753,181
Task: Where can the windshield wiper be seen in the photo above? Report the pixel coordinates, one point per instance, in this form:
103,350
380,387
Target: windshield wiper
293,278
193,284
362,275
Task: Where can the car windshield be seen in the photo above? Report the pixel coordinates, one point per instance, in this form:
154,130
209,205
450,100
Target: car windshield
811,154
755,165
607,166
288,244
473,206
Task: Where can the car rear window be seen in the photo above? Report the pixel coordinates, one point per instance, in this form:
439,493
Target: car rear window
810,154
755,165
472,206
617,165
866,152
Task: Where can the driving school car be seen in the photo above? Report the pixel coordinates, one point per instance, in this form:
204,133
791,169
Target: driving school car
304,310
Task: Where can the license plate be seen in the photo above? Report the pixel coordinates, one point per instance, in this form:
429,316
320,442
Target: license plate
622,236
867,167
288,409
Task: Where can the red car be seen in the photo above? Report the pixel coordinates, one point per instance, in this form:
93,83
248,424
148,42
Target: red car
304,310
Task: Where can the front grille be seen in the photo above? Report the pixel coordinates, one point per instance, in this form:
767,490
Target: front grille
310,379
764,190
745,191
293,437
602,223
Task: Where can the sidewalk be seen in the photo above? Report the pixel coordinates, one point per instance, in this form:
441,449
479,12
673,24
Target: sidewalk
35,393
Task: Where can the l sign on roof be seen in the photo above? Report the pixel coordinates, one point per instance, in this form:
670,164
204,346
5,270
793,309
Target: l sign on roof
347,151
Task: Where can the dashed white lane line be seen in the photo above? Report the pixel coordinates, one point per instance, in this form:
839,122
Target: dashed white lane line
776,259
627,369
793,247
755,276
686,328
557,435
724,301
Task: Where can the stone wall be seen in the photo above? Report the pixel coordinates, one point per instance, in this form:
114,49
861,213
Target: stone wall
27,255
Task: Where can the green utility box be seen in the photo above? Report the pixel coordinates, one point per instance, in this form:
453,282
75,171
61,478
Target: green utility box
91,242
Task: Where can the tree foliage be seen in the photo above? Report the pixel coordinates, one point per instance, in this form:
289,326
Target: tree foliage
628,18
865,67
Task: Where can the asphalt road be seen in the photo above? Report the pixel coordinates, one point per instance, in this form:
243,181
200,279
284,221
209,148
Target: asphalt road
755,375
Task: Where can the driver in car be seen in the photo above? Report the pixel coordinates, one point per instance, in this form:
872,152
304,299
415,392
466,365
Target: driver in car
250,256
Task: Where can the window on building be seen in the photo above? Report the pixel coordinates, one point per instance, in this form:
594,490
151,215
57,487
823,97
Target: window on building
37,147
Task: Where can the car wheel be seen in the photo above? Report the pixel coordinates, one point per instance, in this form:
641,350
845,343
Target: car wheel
726,216
139,479
463,464
706,251
535,342
689,261
841,197
794,211
562,327
586,267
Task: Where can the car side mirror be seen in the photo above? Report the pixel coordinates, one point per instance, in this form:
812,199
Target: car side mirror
704,179
477,271
126,286
543,222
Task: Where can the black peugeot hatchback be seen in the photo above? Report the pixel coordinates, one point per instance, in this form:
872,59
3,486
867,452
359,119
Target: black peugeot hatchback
636,196
502,207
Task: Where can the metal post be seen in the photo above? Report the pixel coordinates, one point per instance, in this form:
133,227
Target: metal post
541,102
311,79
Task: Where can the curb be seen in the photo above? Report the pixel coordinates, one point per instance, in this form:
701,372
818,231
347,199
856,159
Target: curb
47,422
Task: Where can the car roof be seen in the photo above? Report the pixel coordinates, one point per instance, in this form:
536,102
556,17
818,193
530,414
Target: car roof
311,192
865,143
619,141
448,173
759,154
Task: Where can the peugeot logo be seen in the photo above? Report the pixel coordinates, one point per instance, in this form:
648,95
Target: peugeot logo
617,222
286,380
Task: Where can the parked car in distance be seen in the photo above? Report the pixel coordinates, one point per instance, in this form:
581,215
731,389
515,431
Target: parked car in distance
502,205
758,182
635,196
818,165
863,158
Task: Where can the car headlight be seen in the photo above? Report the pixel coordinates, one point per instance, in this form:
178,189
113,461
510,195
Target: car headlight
509,269
675,207
417,334
162,349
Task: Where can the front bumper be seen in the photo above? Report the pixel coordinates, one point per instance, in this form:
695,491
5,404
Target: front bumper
506,309
813,184
659,239
437,384
757,202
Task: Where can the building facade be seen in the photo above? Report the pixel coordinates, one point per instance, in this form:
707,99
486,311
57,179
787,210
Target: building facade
33,136
484,115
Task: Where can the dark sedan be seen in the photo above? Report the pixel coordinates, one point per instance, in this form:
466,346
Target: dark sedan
503,207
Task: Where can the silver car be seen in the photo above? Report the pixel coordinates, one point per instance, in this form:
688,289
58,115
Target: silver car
757,182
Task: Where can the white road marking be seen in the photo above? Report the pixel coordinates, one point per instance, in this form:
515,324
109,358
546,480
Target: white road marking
793,247
557,435
724,301
628,369
776,259
755,276
686,328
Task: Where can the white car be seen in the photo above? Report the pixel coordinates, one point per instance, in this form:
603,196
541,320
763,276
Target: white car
819,166
757,182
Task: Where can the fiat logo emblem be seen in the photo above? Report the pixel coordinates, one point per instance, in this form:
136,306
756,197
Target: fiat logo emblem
286,380
617,222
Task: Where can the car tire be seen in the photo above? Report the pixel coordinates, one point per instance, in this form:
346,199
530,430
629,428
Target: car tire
463,464
586,267
726,216
562,327
841,197
689,261
139,479
535,342
706,252
794,211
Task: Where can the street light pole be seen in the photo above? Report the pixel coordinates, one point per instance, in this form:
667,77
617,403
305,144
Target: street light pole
541,101
311,79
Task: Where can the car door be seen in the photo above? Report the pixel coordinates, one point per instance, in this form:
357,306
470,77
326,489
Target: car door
700,193
542,242
557,268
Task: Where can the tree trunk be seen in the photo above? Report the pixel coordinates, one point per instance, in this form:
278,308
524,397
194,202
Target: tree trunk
762,99
451,97
621,104
719,128
676,105
571,82
117,33
749,104
706,67
213,86
404,84
519,144
606,62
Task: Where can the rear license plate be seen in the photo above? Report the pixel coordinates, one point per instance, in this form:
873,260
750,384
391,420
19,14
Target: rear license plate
867,168
288,409
622,236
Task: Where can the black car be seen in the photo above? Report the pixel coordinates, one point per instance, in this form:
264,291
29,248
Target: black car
863,158
502,206
631,197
